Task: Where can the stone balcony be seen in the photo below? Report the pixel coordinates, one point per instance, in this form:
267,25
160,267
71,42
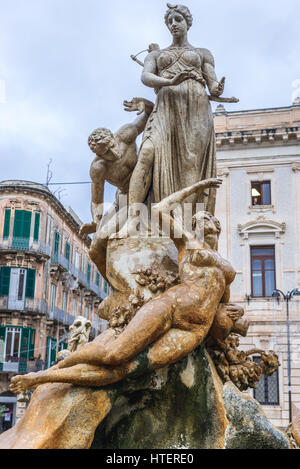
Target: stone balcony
25,245
28,305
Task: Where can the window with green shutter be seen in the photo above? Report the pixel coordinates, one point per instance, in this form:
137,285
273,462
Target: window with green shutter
22,225
31,344
24,351
98,279
51,352
30,283
36,226
56,246
67,251
4,280
89,274
63,346
6,223
2,342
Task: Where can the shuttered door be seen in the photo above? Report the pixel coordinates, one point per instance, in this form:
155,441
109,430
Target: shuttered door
67,253
56,247
22,226
51,352
31,344
30,283
4,281
24,351
36,227
88,275
2,343
6,223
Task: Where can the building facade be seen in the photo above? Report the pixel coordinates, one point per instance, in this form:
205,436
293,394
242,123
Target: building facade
258,155
46,280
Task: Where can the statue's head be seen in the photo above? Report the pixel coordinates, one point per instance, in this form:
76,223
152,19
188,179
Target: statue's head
81,327
178,19
205,222
103,143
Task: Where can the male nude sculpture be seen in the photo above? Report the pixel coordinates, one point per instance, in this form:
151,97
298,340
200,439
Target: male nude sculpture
116,158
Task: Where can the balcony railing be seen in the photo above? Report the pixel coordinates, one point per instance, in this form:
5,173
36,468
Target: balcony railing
24,244
30,305
97,290
61,316
83,279
57,314
13,365
59,259
74,270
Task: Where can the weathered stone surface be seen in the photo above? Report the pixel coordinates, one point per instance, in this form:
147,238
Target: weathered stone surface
180,406
59,416
249,427
125,259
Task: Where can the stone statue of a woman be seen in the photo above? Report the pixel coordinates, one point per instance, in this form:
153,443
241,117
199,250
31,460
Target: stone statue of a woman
178,147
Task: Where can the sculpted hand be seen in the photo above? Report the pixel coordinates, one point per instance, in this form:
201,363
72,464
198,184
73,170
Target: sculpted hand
208,183
235,312
138,104
219,88
180,77
88,228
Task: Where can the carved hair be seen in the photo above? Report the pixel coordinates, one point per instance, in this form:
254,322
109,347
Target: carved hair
101,135
183,10
201,215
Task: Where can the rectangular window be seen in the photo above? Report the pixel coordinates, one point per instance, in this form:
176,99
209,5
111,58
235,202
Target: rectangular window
5,273
267,391
65,301
89,274
51,352
30,283
6,223
263,271
261,193
12,343
36,227
74,311
77,260
52,297
21,284
98,279
56,244
67,251
22,226
17,289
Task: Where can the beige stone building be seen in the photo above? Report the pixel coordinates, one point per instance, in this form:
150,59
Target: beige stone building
258,153
46,280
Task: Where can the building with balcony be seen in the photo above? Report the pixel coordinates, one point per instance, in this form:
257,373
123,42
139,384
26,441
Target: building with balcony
258,156
46,280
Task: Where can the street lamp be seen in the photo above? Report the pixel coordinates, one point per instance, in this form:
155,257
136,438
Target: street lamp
289,295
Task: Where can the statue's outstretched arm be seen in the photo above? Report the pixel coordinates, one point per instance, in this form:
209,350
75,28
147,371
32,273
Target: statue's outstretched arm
215,86
144,108
97,199
169,203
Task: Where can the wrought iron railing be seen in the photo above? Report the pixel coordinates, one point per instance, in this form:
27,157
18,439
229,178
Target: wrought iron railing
24,244
59,259
13,365
30,305
61,316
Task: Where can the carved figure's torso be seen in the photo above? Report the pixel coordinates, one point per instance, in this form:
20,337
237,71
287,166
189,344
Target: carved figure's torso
117,172
173,60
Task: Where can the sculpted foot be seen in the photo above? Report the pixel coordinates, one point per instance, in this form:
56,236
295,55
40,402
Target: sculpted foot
21,383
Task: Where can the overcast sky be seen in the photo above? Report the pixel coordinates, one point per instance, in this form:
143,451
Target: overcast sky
66,69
